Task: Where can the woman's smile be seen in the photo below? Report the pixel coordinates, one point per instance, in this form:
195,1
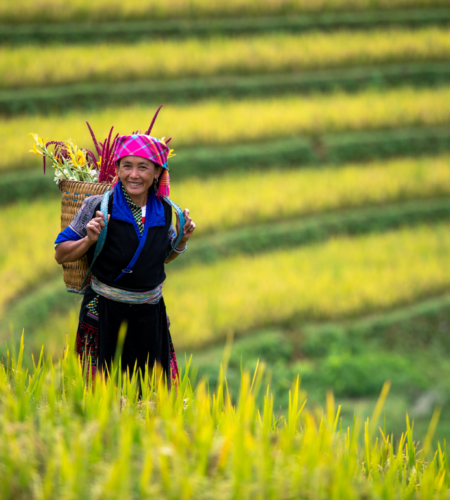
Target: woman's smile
137,175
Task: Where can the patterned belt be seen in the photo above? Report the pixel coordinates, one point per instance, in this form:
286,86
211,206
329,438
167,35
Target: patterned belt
151,297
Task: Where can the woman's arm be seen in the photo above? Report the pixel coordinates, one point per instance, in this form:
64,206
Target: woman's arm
188,229
71,251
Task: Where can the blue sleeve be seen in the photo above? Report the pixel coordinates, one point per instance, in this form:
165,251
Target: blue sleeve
172,232
67,235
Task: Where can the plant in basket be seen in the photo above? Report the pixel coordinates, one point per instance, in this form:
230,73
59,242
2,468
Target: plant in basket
73,163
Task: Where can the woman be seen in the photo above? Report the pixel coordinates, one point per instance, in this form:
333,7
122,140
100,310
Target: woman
128,275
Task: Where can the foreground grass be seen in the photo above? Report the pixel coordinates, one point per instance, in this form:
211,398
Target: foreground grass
214,122
32,66
60,438
27,11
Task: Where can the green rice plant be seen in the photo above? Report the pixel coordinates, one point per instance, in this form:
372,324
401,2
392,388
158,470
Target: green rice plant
216,122
269,198
33,66
51,11
64,438
337,279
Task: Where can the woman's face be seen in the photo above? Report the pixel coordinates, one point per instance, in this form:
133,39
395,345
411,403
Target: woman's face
137,174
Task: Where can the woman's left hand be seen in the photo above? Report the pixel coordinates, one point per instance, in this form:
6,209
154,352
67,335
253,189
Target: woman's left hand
188,228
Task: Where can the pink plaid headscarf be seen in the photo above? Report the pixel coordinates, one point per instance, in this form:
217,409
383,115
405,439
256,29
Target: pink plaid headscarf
147,147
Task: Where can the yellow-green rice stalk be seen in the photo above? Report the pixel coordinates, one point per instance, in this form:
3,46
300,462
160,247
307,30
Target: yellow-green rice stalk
63,437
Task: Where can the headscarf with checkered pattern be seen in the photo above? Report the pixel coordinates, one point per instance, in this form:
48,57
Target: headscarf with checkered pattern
150,148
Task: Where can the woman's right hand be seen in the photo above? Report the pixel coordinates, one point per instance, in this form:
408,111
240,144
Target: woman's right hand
94,227
71,251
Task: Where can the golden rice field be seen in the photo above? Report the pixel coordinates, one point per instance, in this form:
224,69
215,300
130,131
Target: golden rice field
332,280
28,11
214,122
339,278
299,193
235,200
34,66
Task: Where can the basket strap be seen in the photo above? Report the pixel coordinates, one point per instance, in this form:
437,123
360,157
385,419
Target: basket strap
102,235
182,223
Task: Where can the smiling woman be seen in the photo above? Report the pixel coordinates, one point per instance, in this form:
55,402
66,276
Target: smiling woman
128,276
137,175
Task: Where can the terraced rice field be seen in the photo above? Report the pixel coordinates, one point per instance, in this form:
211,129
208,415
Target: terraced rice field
26,256
220,123
322,191
277,195
342,278
33,66
26,11
368,238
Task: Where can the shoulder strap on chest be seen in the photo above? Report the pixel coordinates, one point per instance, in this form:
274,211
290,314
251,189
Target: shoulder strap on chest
102,236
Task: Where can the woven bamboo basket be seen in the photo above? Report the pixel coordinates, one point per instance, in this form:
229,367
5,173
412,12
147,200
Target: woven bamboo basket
73,195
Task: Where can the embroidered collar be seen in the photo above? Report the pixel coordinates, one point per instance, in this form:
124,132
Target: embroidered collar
135,210
127,211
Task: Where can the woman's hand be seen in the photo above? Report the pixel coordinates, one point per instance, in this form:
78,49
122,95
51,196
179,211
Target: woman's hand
94,227
188,229
71,251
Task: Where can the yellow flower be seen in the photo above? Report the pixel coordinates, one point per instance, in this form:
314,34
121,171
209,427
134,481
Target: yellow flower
99,161
36,151
39,141
72,157
81,158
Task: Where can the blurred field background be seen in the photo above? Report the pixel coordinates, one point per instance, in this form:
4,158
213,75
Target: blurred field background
313,150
